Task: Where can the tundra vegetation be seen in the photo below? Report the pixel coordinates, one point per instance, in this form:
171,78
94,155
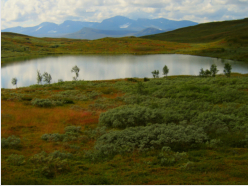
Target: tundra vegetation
170,130
225,40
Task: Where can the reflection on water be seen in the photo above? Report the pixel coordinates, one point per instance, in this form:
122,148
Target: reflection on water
100,67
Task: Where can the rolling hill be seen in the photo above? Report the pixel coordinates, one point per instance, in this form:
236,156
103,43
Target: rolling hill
232,31
226,39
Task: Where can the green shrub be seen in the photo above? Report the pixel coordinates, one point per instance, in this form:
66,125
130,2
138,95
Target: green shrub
146,138
108,90
53,137
94,133
214,143
54,46
73,129
15,159
132,79
146,79
168,158
140,88
68,93
68,96
130,116
138,99
42,102
11,142
61,155
71,134
102,104
93,94
51,164
213,122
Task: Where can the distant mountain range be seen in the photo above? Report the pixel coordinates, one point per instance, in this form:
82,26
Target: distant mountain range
91,33
117,26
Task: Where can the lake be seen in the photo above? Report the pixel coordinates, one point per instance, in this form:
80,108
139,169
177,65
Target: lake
103,67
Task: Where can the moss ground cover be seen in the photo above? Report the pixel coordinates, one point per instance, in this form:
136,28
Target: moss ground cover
182,130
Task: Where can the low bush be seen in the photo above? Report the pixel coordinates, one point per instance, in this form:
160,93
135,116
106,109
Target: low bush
94,133
68,96
108,90
156,136
102,104
51,164
146,79
168,158
15,159
72,129
54,46
11,142
213,122
53,137
214,143
93,94
46,102
137,99
42,102
71,134
132,79
130,116
140,88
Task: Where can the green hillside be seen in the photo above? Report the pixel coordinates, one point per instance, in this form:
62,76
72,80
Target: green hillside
235,32
227,39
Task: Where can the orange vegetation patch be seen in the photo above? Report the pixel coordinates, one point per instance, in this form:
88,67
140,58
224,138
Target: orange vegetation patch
91,120
80,118
85,114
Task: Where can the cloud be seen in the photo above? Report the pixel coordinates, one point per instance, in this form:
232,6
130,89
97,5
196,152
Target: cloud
34,12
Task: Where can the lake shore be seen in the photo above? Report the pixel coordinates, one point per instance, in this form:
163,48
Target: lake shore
16,46
104,67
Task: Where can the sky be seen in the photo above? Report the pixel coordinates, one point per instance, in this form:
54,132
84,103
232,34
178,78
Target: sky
33,12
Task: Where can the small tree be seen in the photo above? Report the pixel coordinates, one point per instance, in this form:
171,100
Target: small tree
39,77
227,69
14,81
76,70
202,72
207,72
213,70
155,73
47,77
165,70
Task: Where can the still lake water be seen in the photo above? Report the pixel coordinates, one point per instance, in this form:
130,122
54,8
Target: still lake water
103,67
